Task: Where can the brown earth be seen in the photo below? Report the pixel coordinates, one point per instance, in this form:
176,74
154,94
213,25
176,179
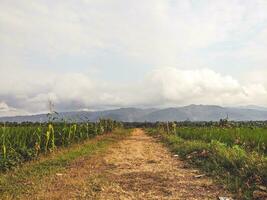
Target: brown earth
138,167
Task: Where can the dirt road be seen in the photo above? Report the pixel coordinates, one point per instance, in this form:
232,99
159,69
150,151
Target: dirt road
135,168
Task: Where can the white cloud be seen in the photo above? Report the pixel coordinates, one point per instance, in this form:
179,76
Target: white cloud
6,110
161,87
3,106
181,87
257,77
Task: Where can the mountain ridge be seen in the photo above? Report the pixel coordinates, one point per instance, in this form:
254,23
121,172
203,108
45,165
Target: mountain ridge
191,112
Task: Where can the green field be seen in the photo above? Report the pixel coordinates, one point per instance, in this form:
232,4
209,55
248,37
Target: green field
235,156
24,142
251,139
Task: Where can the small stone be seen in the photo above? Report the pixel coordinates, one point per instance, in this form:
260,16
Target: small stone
257,194
199,176
261,187
189,157
224,198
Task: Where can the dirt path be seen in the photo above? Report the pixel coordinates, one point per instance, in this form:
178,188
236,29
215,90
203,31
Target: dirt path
135,168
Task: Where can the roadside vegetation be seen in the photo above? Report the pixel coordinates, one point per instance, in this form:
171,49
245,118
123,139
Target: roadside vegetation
234,154
250,139
24,142
30,176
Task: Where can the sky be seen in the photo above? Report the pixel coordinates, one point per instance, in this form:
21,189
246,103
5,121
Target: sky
96,54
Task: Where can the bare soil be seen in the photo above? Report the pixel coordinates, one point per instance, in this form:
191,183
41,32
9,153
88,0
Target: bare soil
138,167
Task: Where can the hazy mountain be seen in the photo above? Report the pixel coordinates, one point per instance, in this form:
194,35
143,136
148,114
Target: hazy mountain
254,107
191,112
122,114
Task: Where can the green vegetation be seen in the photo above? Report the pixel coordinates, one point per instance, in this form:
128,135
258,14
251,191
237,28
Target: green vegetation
20,143
251,139
234,153
236,156
16,182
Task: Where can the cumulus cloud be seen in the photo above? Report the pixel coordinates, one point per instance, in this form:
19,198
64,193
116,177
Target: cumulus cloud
161,87
3,106
178,85
204,86
6,110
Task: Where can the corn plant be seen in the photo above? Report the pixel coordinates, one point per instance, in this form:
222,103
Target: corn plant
3,139
22,142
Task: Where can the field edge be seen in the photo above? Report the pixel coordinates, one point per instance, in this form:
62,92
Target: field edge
29,177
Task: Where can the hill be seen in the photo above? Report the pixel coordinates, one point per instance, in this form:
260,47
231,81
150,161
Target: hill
191,112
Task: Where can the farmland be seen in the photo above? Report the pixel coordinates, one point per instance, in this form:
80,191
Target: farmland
236,155
25,142
107,157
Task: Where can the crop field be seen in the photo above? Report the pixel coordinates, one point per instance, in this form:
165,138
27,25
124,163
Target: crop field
235,155
251,139
25,142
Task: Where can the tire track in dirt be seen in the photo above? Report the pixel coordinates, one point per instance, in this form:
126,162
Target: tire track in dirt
137,167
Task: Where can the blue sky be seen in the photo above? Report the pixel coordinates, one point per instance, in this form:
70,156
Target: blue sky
131,53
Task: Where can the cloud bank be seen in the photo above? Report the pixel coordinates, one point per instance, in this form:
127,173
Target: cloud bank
161,87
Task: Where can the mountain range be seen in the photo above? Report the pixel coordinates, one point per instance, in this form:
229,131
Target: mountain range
191,112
